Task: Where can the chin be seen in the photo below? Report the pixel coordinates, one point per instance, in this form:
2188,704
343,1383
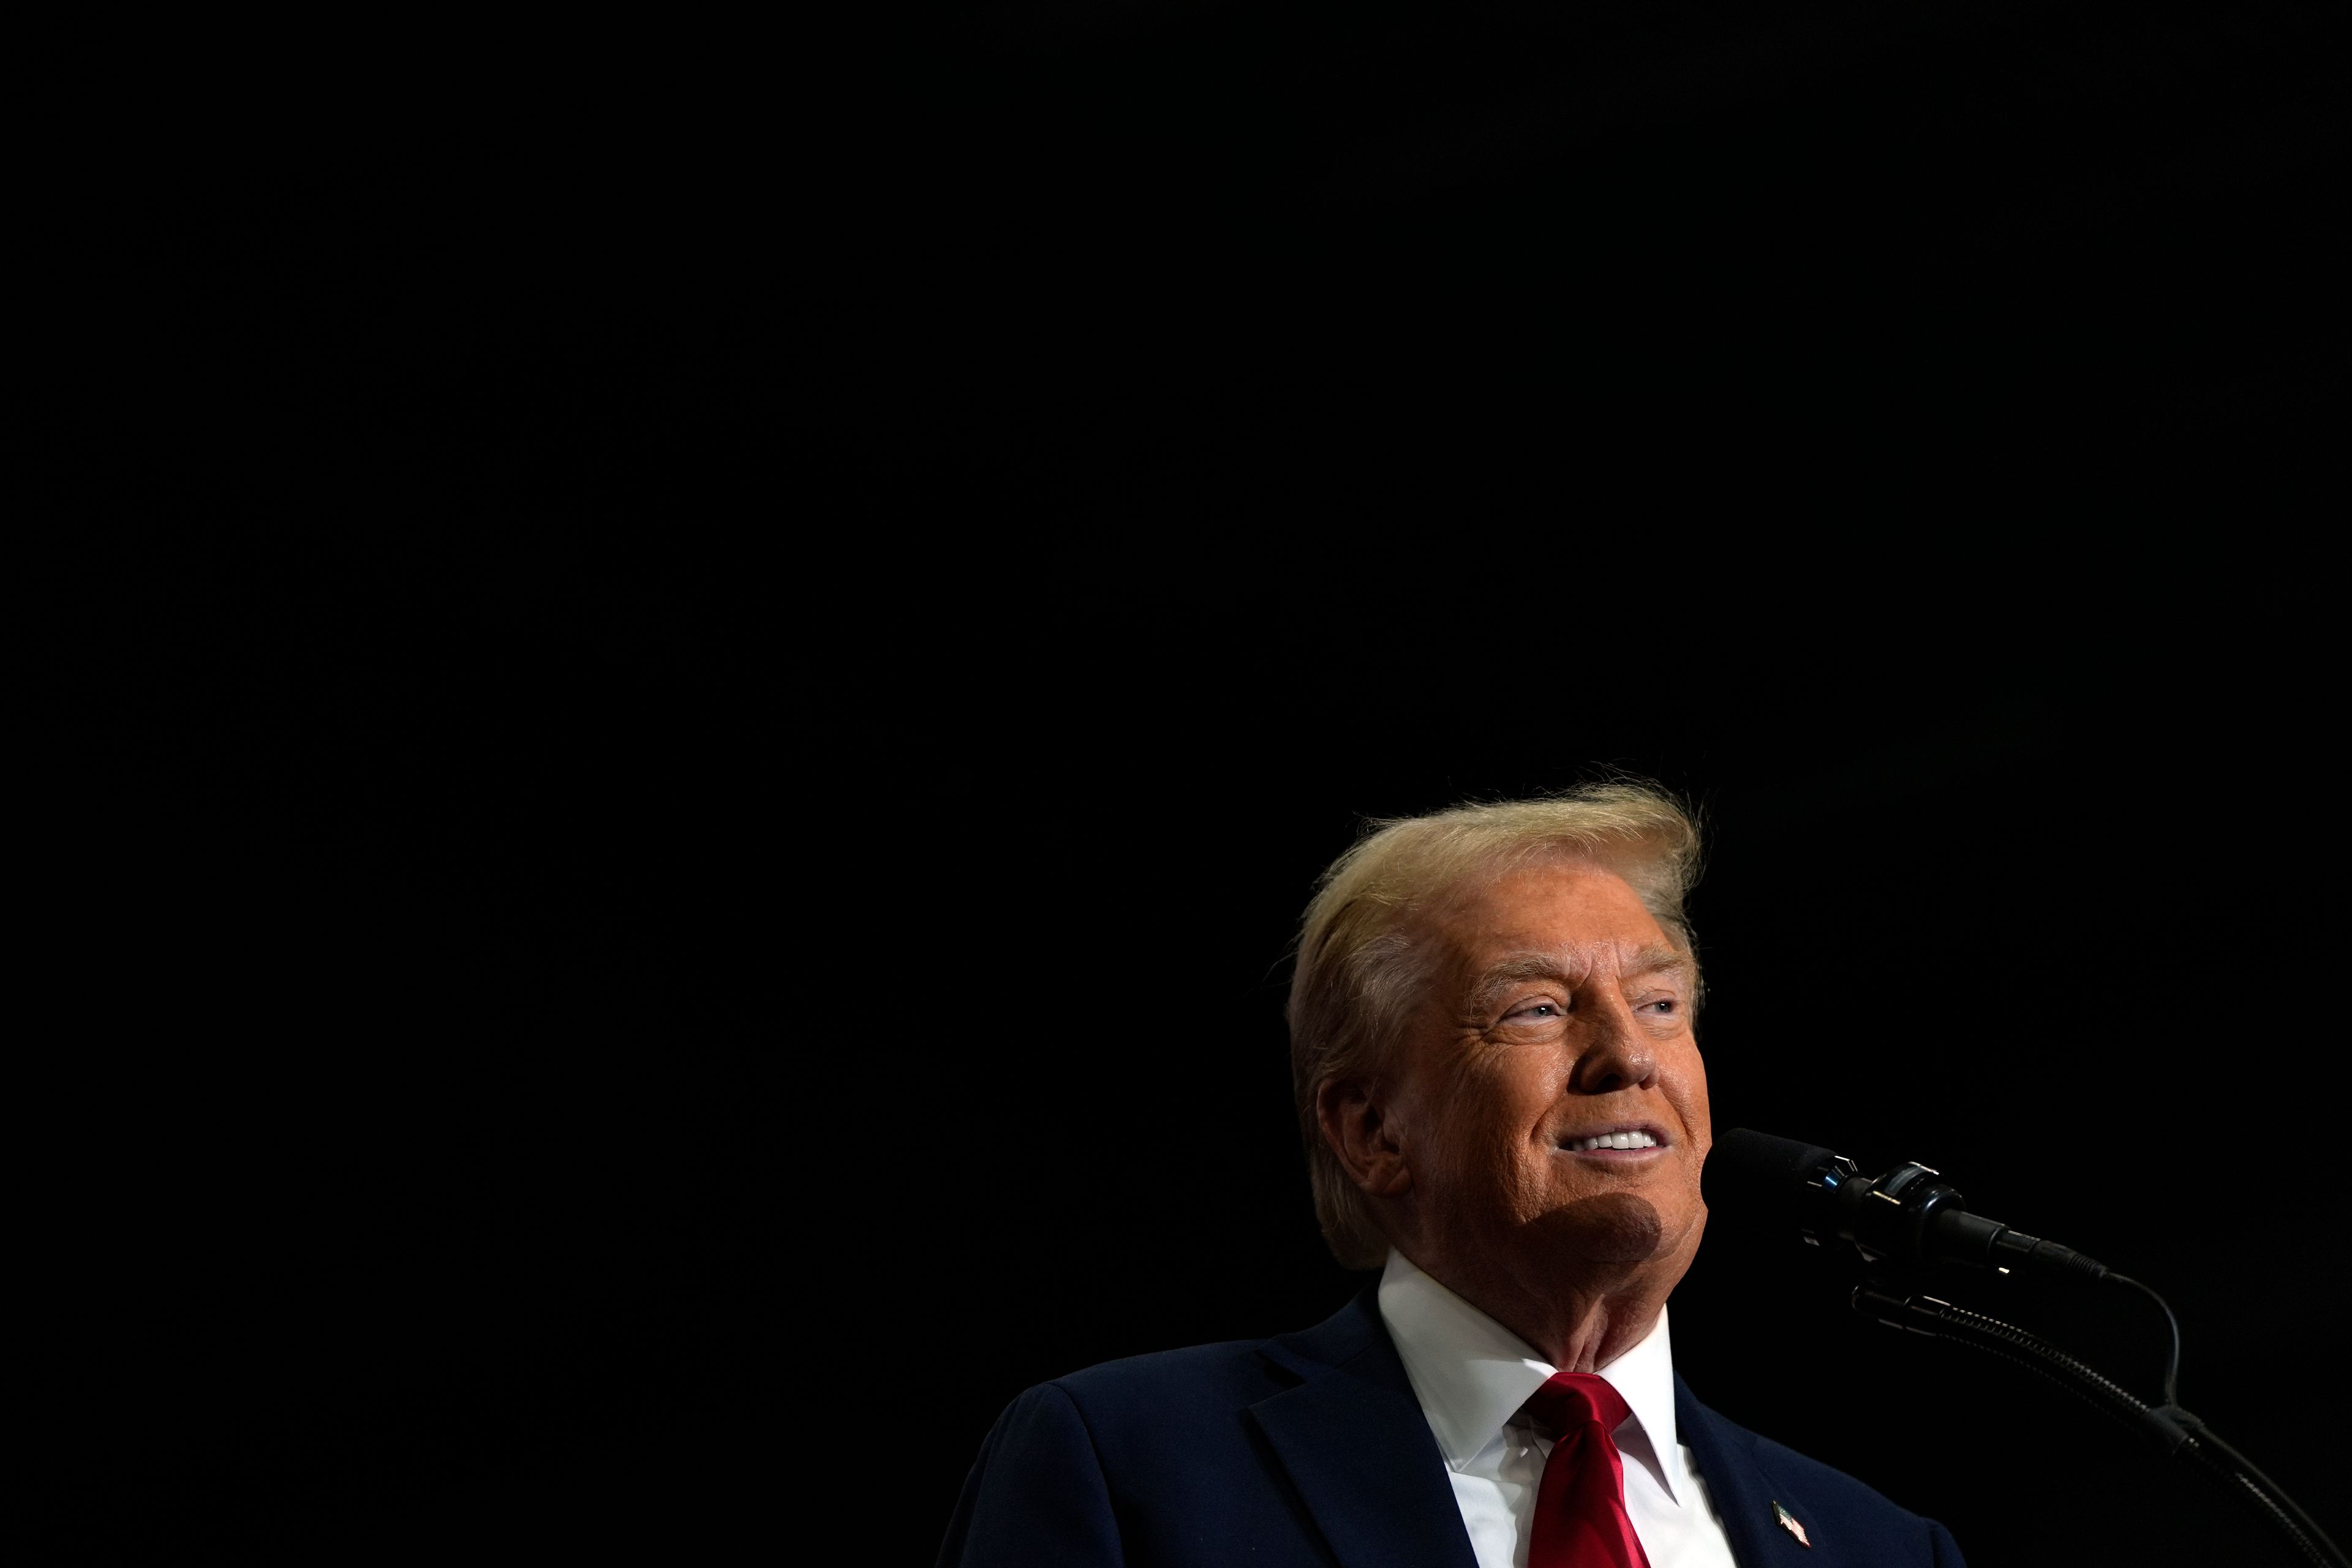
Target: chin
1605,1228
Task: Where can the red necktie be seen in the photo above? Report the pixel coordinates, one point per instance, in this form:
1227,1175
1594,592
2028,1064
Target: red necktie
1581,1520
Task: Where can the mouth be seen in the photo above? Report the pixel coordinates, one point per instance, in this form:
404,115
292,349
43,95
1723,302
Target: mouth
1616,1144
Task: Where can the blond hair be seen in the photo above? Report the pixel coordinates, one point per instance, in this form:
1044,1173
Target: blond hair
1360,964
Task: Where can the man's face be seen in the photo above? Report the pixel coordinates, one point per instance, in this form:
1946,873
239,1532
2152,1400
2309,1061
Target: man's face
1561,1014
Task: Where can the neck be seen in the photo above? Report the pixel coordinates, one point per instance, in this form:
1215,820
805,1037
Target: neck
1585,1333
1581,1317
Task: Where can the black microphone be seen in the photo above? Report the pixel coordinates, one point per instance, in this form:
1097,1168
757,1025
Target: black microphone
1906,1216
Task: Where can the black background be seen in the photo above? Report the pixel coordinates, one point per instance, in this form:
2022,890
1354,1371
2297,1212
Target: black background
690,683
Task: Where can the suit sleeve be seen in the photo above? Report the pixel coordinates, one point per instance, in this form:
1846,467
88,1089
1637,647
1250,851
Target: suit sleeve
1944,1552
1036,1493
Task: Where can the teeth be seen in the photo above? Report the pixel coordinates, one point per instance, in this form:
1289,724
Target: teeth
1612,1140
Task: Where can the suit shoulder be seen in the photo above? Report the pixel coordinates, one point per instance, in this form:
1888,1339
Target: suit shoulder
1233,1371
1194,1400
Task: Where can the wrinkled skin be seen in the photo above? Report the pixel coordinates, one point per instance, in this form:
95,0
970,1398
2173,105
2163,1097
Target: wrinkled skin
1557,1008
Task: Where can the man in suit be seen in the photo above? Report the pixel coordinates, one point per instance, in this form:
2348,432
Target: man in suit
1505,1113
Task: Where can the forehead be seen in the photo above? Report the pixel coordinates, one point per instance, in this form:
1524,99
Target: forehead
1575,909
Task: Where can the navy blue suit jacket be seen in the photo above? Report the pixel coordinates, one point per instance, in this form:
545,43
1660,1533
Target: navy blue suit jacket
1312,1448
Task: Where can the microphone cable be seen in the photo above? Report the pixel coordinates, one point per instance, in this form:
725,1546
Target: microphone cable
2174,1429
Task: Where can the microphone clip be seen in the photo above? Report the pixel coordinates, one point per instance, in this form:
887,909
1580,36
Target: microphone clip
1891,1218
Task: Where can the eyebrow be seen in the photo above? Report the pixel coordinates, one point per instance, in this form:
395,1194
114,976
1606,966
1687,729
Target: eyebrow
1521,966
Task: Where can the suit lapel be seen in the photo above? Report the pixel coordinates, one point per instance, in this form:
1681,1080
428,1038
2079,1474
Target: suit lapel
1745,1494
1356,1445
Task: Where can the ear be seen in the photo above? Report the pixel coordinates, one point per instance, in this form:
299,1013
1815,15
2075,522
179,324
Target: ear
1355,1128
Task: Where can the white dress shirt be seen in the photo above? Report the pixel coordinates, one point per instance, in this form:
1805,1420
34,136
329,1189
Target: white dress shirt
1472,1375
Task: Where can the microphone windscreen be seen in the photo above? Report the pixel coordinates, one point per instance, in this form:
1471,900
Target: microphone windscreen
1754,1175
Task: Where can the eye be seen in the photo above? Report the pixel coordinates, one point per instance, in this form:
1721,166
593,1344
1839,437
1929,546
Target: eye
1537,1010
1664,1006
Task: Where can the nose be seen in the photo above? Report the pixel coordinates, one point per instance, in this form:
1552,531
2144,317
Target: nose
1616,1056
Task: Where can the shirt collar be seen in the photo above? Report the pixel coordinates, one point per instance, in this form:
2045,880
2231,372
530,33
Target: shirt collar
1472,1375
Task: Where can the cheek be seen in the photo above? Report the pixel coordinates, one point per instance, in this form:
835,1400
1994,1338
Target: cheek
1520,1118
1486,1126
1697,1113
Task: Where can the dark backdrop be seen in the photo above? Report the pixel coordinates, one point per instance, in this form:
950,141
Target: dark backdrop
689,684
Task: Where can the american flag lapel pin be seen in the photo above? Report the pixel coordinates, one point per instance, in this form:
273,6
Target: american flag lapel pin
1788,1522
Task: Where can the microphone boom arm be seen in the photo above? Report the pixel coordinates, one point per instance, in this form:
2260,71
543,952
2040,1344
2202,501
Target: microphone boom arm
2173,1429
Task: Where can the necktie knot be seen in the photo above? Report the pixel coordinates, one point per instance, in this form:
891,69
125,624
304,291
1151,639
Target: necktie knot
1571,1400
